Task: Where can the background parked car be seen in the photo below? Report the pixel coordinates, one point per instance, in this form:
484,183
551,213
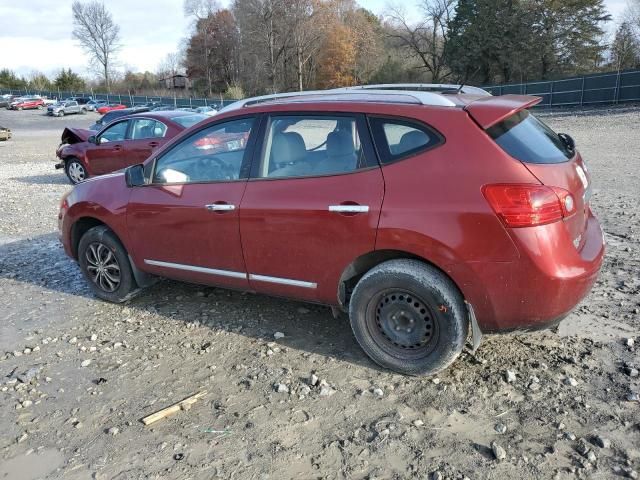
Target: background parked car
111,106
126,141
81,100
27,103
206,110
49,101
94,105
5,100
66,108
109,117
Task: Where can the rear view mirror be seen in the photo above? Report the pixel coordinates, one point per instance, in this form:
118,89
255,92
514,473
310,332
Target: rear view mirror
568,141
134,175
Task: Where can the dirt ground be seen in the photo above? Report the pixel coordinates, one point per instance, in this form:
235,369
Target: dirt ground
78,374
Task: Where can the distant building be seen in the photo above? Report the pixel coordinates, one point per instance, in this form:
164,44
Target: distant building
179,81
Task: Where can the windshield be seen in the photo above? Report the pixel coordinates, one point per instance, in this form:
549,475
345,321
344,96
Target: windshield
529,140
188,120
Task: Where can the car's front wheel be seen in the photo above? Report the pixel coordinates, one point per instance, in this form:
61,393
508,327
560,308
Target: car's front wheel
409,317
83,111
75,170
61,113
105,264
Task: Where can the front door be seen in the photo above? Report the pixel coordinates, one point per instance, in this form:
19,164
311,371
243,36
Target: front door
107,155
184,223
312,205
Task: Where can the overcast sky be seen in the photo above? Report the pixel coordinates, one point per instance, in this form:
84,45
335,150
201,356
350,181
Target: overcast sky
36,34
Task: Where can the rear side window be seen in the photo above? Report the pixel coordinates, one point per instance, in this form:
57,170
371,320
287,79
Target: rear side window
397,139
529,140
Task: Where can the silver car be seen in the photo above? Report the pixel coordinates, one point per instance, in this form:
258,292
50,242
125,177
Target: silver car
66,108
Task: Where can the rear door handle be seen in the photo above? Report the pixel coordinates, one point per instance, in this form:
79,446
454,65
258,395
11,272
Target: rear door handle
117,148
153,144
349,208
220,207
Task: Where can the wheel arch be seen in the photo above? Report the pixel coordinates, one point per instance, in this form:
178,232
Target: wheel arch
81,226
361,265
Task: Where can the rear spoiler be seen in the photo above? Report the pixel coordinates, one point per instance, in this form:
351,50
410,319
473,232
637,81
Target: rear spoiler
489,111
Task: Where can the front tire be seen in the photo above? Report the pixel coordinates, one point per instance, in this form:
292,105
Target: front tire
409,317
75,170
105,264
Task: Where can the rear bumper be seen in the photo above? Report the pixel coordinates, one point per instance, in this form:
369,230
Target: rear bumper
541,288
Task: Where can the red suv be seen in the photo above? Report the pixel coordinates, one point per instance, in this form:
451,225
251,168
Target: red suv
28,103
424,215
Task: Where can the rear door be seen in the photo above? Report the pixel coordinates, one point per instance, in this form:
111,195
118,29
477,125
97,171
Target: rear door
145,135
550,159
312,205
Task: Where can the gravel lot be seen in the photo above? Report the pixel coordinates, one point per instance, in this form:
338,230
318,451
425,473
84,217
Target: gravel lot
78,374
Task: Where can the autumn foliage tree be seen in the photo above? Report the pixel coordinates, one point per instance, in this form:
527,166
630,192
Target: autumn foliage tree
337,63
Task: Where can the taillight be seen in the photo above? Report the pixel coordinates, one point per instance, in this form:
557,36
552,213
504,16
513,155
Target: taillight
529,205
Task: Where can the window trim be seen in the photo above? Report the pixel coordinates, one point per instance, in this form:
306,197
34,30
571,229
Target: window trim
381,143
247,159
371,160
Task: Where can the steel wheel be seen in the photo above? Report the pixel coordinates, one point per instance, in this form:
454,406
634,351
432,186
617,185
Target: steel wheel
402,324
103,267
76,171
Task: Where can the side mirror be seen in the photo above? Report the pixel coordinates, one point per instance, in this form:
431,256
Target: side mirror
134,175
92,139
568,141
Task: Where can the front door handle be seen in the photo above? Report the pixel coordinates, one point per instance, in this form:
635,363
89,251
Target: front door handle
117,148
153,144
220,207
349,208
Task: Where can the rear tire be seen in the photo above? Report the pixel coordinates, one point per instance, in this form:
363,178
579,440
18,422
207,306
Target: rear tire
409,317
83,111
105,264
75,170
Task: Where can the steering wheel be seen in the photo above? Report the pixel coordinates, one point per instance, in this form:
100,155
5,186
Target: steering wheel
212,168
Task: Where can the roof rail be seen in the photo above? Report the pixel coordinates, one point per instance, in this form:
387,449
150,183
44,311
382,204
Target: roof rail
424,87
350,94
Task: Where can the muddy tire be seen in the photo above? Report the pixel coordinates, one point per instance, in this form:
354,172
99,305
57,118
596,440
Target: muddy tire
409,317
75,171
105,264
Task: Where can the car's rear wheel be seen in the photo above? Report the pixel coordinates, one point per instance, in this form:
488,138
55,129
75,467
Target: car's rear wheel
75,170
409,317
105,264
83,111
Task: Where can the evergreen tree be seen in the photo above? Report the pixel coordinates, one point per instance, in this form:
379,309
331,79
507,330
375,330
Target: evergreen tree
68,81
625,50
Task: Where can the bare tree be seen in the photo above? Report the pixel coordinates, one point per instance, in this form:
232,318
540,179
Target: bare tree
171,65
425,40
97,33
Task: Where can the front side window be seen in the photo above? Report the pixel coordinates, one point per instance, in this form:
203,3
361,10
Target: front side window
212,155
115,133
147,128
302,146
397,138
529,140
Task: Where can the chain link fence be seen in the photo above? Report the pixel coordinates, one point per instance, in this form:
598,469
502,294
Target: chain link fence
125,99
594,89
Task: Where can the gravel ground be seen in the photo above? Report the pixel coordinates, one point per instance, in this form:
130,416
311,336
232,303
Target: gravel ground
78,374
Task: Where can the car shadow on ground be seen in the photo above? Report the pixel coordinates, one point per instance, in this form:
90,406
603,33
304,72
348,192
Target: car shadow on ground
58,178
41,261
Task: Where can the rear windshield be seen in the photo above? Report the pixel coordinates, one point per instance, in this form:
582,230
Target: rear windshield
188,120
529,140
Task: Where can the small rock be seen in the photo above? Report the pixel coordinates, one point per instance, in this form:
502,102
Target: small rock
303,310
86,363
498,451
313,380
501,428
418,423
73,340
602,442
93,337
113,431
378,392
30,374
629,342
572,382
27,403
633,397
22,437
436,476
509,376
282,388
278,335
570,436
632,372
631,474
591,456
582,448
77,425
326,391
